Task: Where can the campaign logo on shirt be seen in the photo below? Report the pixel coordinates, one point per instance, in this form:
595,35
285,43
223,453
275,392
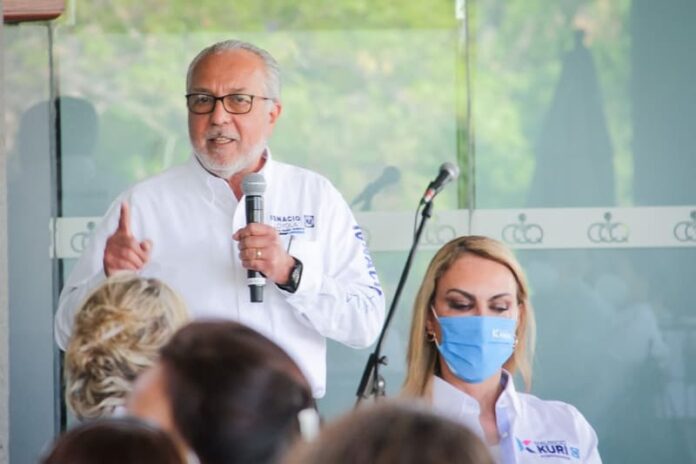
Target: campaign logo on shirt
357,231
548,448
292,224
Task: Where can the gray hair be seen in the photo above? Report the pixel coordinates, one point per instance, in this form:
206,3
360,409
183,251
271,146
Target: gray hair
272,84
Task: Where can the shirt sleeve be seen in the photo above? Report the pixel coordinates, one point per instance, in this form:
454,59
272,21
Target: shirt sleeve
587,439
85,277
339,293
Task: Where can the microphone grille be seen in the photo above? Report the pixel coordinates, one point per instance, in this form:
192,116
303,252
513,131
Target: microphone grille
253,184
451,168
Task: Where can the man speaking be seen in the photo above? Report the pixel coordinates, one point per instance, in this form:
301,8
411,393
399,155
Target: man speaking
187,226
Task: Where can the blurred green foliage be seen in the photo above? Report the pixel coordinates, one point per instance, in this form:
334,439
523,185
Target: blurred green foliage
184,16
366,84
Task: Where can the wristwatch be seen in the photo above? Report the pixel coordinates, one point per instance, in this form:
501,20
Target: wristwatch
295,276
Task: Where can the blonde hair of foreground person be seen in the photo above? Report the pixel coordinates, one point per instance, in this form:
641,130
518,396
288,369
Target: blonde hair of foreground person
392,432
117,334
422,354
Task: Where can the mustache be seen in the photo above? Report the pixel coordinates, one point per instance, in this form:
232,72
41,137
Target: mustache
212,134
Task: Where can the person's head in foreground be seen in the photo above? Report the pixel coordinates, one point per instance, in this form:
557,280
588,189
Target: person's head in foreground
118,332
226,393
472,317
114,441
392,433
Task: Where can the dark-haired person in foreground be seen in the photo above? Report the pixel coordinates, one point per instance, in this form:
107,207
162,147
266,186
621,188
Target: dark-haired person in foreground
226,393
114,441
187,225
392,433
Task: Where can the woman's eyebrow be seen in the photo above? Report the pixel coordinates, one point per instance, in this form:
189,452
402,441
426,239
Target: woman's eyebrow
500,295
473,297
461,292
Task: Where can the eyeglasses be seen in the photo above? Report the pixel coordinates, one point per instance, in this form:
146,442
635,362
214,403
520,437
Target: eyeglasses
234,103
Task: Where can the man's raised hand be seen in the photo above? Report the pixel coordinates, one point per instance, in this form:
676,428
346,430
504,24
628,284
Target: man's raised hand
123,251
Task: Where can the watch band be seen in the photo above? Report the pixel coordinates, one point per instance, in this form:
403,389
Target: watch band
295,276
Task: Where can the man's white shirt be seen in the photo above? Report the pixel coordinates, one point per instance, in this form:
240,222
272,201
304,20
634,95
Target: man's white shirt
190,217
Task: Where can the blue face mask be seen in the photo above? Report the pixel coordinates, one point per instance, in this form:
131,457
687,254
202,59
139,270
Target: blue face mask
475,347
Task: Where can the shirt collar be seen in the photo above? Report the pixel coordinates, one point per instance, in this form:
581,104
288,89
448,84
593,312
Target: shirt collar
509,395
267,168
447,396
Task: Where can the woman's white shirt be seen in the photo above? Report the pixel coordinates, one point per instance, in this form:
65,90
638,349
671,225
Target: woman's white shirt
531,430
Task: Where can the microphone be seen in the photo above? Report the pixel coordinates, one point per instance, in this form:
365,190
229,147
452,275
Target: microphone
390,175
253,187
448,172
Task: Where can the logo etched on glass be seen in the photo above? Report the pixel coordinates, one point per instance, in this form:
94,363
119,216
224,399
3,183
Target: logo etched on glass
685,231
522,233
78,242
438,234
608,231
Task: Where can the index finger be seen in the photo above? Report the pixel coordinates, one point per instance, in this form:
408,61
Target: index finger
124,219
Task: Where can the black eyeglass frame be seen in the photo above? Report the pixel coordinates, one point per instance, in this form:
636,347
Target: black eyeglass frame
222,99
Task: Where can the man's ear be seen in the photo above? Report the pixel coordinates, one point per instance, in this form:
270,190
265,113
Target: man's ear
274,114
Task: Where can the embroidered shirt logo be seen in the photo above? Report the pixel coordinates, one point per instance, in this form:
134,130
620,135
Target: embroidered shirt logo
548,448
292,224
357,231
523,445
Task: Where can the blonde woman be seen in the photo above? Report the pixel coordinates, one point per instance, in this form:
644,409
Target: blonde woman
118,332
472,329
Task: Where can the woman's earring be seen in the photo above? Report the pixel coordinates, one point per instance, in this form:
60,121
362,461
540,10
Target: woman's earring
431,337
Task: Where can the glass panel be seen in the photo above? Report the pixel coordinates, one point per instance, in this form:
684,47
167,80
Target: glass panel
30,194
369,99
581,104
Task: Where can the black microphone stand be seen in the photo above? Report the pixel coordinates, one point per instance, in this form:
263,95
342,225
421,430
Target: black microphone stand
371,375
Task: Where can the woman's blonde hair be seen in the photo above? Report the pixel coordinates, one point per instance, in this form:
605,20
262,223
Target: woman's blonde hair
117,333
423,355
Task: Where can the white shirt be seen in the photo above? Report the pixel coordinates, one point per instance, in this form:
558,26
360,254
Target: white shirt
531,430
191,215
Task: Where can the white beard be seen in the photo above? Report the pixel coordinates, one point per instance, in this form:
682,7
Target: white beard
227,170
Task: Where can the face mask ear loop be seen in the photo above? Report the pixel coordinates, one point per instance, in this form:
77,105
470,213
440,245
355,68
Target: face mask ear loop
439,349
434,340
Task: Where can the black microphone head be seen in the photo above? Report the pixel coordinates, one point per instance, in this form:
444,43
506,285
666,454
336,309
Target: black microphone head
451,169
253,184
448,172
391,175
